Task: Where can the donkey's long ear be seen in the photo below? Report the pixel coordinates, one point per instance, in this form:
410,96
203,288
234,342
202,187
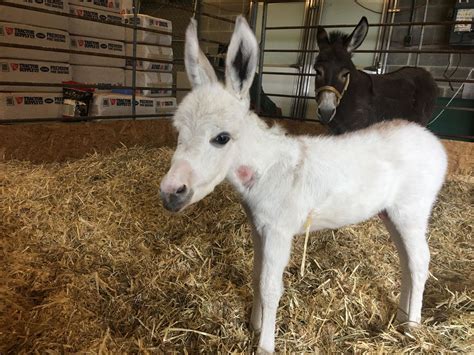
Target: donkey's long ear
198,68
241,60
358,35
322,37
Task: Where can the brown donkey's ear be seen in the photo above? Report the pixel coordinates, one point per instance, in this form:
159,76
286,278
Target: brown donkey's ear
358,35
322,37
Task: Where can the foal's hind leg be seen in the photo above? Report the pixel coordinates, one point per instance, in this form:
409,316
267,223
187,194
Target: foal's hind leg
408,234
402,313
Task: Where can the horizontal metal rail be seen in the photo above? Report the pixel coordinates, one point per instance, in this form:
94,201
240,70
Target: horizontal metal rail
206,14
419,51
387,24
94,86
454,108
456,136
206,40
73,51
304,74
299,119
81,119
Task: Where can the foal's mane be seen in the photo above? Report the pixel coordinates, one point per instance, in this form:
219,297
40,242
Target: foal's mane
336,36
270,126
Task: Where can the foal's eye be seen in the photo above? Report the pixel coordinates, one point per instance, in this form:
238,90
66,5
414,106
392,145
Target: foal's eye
221,139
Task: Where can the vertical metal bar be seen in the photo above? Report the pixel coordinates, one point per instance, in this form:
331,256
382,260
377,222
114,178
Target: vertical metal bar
386,44
307,59
261,56
380,36
253,15
313,31
422,34
302,61
408,39
389,38
136,4
320,12
197,16
311,12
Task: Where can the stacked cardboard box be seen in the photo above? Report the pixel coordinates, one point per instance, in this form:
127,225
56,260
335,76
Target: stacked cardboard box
155,73
95,33
20,26
105,104
99,40
154,68
35,18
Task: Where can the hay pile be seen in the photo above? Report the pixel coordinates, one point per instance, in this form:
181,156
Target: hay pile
92,262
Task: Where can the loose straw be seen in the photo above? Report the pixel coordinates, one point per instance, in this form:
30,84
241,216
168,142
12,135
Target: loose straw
307,226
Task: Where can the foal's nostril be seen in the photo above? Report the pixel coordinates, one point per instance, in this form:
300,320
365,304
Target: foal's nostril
181,190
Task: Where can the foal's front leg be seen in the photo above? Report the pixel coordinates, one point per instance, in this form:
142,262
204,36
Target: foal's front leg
276,248
256,316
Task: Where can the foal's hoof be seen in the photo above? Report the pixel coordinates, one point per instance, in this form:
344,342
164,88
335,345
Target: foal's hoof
256,321
261,351
255,327
407,328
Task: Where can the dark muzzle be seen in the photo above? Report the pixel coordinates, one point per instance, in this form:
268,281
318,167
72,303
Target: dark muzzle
174,202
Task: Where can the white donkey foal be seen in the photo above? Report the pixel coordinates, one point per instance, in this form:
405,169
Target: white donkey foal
397,167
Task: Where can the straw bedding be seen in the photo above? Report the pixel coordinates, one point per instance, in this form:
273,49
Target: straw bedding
92,262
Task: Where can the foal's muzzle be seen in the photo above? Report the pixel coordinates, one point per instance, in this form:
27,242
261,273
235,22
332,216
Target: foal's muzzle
177,200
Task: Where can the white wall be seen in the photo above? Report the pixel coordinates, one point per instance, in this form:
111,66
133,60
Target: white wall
284,14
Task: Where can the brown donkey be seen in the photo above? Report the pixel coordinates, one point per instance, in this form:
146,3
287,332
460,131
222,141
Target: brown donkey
349,99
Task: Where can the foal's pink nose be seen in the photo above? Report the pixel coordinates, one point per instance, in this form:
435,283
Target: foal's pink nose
172,187
175,190
178,176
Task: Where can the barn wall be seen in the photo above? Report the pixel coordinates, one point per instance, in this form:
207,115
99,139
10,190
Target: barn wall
56,142
51,142
435,37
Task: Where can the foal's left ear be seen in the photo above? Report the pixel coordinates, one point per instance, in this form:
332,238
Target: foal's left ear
198,68
358,35
241,60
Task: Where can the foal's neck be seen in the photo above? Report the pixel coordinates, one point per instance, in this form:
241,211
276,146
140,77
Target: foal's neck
264,151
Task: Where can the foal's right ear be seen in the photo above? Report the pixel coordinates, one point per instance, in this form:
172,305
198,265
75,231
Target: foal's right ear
241,60
322,37
198,68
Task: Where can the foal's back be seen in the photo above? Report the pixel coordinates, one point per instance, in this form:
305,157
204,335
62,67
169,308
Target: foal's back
391,154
